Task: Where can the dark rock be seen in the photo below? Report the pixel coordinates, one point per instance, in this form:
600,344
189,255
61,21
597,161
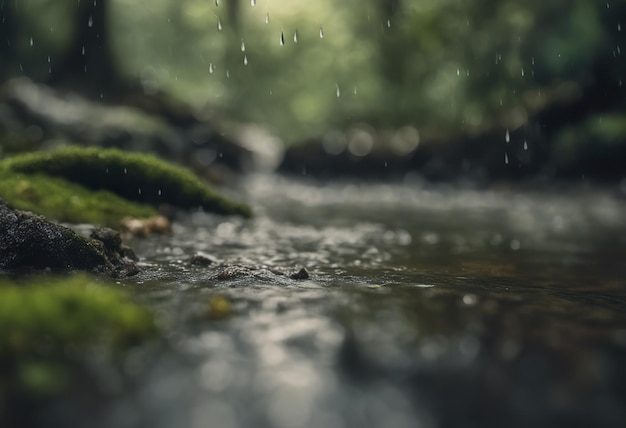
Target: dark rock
29,241
202,259
301,274
121,256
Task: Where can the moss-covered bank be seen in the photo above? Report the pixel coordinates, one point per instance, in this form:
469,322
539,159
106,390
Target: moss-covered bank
57,184
49,323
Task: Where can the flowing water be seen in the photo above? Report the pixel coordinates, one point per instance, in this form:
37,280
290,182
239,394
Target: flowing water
425,307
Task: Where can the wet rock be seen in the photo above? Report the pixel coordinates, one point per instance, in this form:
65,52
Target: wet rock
30,242
202,259
157,123
301,274
121,256
225,272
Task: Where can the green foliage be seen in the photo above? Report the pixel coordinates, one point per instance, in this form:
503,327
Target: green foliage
600,137
45,320
445,63
68,202
132,176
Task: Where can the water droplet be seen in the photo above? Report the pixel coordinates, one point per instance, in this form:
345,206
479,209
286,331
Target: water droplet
507,136
219,25
506,159
525,145
355,90
321,32
228,74
522,71
467,72
267,18
389,23
243,46
125,171
295,36
31,41
337,91
48,59
83,51
252,2
458,71
217,3
619,27
211,68
245,60
139,190
90,21
532,60
159,191
282,39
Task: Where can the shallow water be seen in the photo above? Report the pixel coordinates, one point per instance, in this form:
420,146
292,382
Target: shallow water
428,307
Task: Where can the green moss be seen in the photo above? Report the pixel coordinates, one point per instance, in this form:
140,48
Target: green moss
48,324
46,315
136,177
62,200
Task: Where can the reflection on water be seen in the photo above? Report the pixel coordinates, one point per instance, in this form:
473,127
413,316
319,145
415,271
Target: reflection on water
425,307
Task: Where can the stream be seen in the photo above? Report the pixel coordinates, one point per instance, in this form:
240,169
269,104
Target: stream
425,307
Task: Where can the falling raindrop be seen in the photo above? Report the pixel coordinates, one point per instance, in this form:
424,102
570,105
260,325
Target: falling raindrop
139,190
101,96
267,18
252,2
507,136
159,191
219,25
85,68
458,71
211,68
243,46
228,74
522,72
321,32
217,3
389,23
83,51
355,90
467,73
506,159
125,171
245,60
90,21
619,27
282,39
338,92
295,36
48,59
31,41
525,145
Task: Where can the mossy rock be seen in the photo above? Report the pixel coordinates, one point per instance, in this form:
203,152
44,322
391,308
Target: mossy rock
47,322
140,178
65,201
44,315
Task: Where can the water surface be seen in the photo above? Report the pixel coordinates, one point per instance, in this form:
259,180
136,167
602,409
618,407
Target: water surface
426,306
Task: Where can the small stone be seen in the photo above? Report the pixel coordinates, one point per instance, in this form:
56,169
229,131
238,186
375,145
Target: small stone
202,259
219,307
301,274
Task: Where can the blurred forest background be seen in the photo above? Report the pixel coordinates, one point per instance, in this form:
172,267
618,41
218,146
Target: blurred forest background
533,86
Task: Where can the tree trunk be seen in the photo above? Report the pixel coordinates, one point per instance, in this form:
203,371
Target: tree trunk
89,64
